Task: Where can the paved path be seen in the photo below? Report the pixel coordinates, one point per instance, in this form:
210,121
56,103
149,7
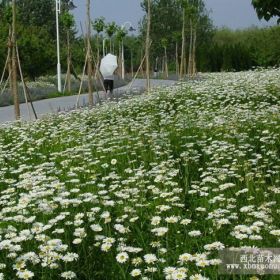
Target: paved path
66,103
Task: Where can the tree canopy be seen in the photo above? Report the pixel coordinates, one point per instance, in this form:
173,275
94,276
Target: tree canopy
99,24
36,32
267,9
41,13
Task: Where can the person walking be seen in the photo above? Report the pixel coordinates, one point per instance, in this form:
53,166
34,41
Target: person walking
108,66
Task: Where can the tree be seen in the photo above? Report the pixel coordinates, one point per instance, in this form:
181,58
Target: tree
35,33
121,33
267,9
184,5
4,3
68,22
89,57
171,17
98,25
166,19
41,13
176,38
5,24
196,12
14,63
192,10
164,43
9,13
132,55
147,45
111,29
38,55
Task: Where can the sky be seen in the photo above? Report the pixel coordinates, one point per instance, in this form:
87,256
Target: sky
235,14
120,11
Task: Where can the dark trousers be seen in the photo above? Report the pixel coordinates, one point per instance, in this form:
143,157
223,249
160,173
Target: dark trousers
109,85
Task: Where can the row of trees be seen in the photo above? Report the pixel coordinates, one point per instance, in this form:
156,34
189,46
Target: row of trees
36,36
183,39
178,27
183,35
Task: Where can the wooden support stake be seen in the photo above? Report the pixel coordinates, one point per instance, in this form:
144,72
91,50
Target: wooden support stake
136,74
81,84
23,84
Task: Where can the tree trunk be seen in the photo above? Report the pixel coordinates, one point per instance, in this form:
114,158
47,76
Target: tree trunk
190,67
89,62
123,67
177,62
166,63
110,45
131,63
98,50
183,47
104,47
194,70
120,61
68,75
13,68
185,62
147,47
